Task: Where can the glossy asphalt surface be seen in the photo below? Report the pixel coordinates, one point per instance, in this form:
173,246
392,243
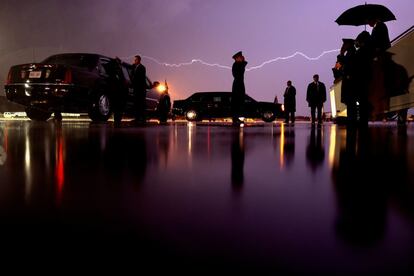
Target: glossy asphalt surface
210,197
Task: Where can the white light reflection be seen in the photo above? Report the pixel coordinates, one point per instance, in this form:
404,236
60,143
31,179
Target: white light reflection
27,167
282,143
190,131
332,146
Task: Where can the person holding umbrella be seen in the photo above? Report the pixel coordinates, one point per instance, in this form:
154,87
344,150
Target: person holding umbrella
374,15
379,35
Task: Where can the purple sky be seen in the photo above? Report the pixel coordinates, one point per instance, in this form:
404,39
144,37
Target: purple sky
178,31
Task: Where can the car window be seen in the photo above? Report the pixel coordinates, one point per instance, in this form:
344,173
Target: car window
195,98
248,99
125,72
85,61
105,67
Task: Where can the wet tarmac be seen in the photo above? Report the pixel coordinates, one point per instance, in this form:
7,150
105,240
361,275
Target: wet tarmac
209,197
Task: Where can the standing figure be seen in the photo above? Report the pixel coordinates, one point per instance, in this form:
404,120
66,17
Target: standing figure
290,102
348,92
139,84
238,89
361,76
119,89
316,96
379,35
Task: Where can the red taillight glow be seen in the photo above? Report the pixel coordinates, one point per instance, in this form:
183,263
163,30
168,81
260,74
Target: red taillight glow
68,77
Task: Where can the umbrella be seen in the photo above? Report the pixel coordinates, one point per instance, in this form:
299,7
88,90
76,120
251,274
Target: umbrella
359,15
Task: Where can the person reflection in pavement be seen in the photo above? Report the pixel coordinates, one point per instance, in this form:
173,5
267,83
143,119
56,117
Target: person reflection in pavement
3,154
289,145
126,156
359,181
237,160
315,152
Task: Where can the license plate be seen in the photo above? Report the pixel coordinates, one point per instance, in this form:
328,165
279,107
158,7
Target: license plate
35,74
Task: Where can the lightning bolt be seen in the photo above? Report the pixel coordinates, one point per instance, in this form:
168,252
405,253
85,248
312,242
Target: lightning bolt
199,61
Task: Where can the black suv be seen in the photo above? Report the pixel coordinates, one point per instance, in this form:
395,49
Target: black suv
80,83
211,105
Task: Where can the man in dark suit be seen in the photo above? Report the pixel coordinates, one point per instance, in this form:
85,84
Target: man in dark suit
316,96
139,84
290,102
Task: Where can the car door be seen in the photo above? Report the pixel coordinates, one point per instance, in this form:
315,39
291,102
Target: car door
250,107
152,97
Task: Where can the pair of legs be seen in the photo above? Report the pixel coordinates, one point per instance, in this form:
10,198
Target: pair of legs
140,107
315,108
290,115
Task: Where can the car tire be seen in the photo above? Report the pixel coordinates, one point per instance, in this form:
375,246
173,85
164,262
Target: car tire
37,114
191,115
101,108
268,116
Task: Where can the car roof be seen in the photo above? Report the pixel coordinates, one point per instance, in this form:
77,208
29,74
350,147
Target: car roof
216,93
80,54
212,93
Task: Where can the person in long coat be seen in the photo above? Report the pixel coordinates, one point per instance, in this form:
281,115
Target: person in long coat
316,96
238,88
139,84
290,102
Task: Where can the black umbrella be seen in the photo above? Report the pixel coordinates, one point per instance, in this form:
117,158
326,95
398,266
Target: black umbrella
359,15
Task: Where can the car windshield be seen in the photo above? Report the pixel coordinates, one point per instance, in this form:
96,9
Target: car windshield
86,61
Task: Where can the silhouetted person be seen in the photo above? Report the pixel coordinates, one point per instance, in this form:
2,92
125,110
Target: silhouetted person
397,82
289,145
348,92
290,102
139,84
361,179
237,160
379,35
361,76
238,89
315,152
316,96
119,89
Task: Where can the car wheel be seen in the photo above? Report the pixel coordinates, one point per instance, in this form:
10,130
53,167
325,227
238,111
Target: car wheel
191,115
101,108
268,116
37,114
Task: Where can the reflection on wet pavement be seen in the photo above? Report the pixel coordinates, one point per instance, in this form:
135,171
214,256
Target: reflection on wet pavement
264,197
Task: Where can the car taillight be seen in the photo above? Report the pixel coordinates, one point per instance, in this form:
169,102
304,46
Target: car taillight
9,78
68,77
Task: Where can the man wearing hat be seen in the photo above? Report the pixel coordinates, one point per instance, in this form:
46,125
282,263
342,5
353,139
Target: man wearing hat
238,89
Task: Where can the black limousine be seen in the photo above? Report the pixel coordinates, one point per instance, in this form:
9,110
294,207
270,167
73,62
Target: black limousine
212,105
80,83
